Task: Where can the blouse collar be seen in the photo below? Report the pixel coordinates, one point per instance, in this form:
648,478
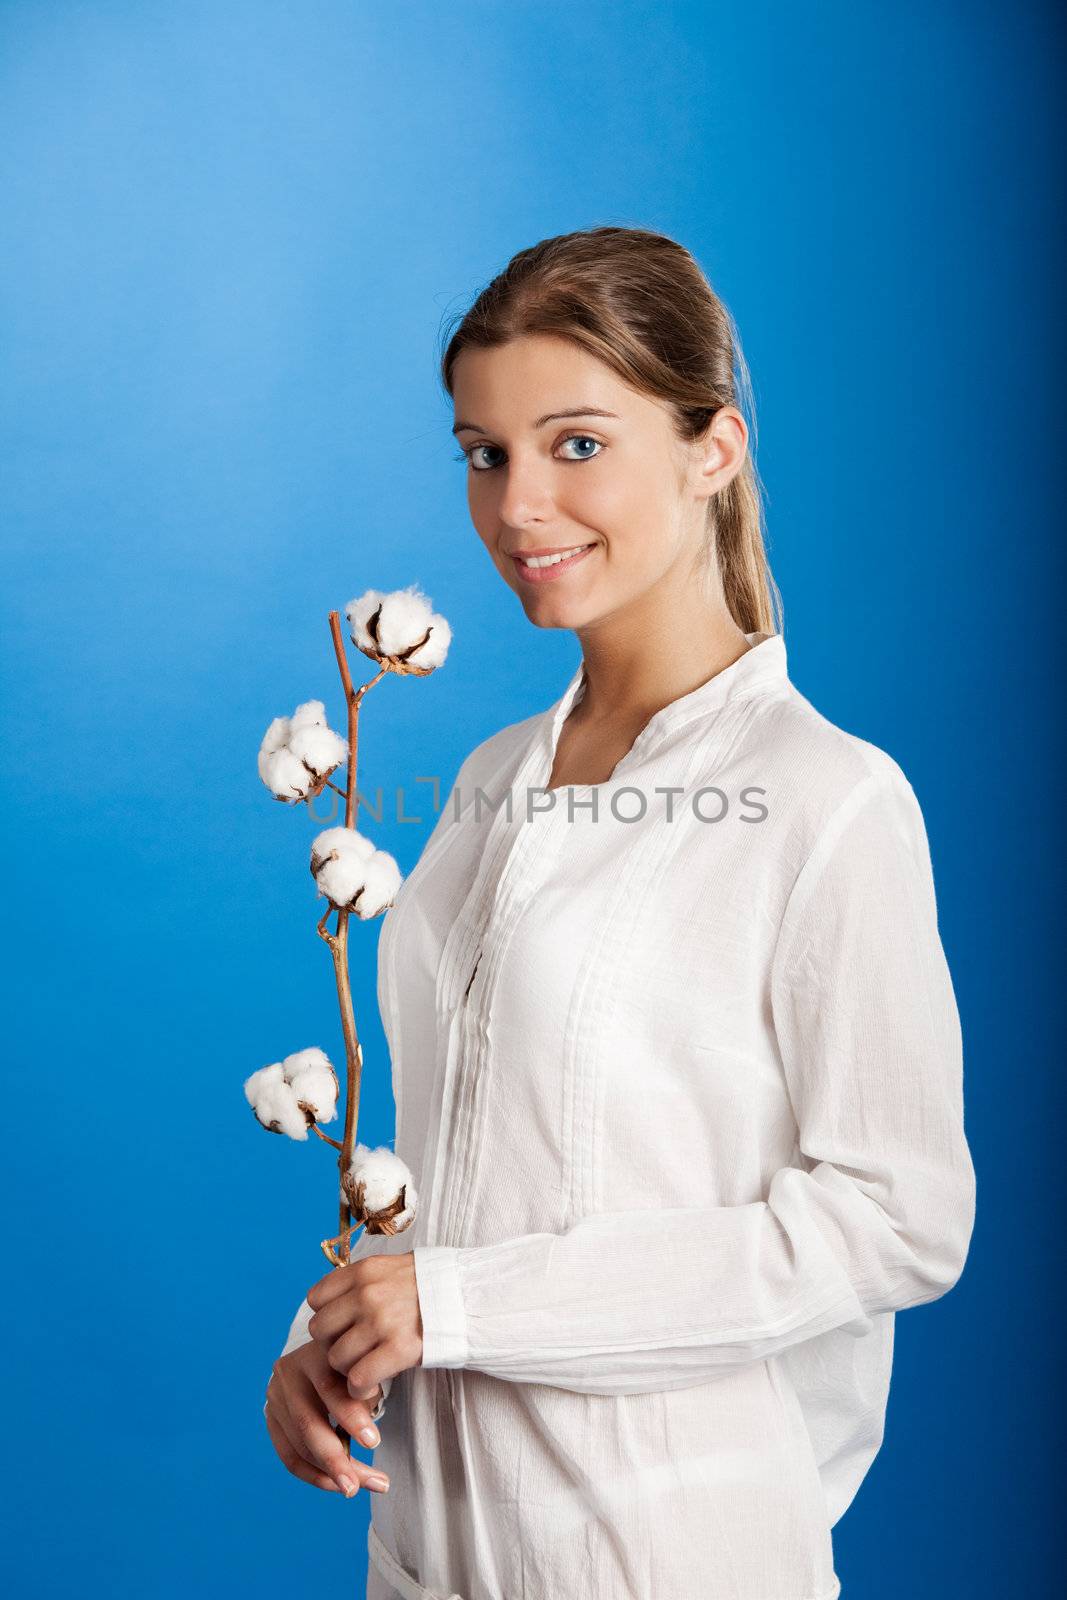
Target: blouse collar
760,670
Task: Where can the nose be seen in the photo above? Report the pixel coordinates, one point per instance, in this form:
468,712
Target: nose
527,495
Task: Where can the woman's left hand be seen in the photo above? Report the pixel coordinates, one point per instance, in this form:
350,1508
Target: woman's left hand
368,1315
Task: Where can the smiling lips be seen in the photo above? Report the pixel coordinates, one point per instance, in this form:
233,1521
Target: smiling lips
542,568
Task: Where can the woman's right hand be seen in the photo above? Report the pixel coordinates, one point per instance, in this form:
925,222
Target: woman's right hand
303,1390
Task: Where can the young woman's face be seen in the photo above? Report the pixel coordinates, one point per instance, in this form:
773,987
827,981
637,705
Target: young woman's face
619,486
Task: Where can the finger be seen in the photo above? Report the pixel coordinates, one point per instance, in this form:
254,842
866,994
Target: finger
353,1346
370,1371
335,1318
279,1409
313,1437
372,1395
291,1447
337,1281
291,1459
353,1412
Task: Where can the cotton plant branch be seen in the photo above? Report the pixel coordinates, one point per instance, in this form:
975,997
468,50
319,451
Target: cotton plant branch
402,634
340,846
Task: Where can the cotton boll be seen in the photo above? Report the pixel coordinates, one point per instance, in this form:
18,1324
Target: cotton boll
286,776
380,1190
302,1060
344,863
271,1097
279,1094
381,1171
318,748
276,735
310,715
332,840
314,1082
275,738
317,1091
338,860
404,620
392,628
407,616
433,652
298,753
381,880
260,1081
359,613
340,879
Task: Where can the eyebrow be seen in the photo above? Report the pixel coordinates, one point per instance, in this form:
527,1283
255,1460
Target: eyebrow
549,416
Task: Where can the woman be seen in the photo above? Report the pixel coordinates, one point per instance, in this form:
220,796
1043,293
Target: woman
676,1055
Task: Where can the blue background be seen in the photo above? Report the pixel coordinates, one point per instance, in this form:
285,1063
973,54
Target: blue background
233,231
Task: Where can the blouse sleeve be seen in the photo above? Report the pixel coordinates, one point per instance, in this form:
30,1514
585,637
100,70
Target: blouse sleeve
876,1217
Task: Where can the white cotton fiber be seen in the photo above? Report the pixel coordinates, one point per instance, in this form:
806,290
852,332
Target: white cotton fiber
382,1174
341,879
338,861
359,613
433,652
346,865
435,647
405,617
274,1092
381,880
340,840
298,753
275,738
318,748
271,1097
311,714
286,775
276,735
314,1081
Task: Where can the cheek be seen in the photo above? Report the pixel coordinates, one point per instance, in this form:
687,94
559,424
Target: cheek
486,525
620,500
629,514
481,517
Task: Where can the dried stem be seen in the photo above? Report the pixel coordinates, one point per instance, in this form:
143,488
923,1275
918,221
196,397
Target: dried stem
342,1241
325,1136
338,943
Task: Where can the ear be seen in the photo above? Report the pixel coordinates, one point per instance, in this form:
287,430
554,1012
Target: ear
719,453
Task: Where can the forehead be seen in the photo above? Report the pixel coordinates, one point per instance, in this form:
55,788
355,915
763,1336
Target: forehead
517,382
515,376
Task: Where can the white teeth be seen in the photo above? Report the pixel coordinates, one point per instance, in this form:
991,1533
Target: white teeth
551,561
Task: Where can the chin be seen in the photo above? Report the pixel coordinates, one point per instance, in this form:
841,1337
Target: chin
548,617
561,615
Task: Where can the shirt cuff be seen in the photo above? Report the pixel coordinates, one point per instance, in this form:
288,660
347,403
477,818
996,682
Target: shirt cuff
444,1320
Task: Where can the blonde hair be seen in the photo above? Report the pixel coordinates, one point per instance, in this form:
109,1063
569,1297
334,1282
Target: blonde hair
639,302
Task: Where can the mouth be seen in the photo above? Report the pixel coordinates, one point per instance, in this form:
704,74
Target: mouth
543,569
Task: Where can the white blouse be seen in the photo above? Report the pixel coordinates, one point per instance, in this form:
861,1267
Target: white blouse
677,1067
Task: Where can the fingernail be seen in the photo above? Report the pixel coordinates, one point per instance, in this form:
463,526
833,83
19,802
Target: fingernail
377,1480
348,1486
370,1435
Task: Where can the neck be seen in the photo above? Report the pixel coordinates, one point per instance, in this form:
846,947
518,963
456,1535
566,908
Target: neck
642,659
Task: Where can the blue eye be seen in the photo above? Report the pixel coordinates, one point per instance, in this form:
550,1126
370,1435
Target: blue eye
584,439
468,454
